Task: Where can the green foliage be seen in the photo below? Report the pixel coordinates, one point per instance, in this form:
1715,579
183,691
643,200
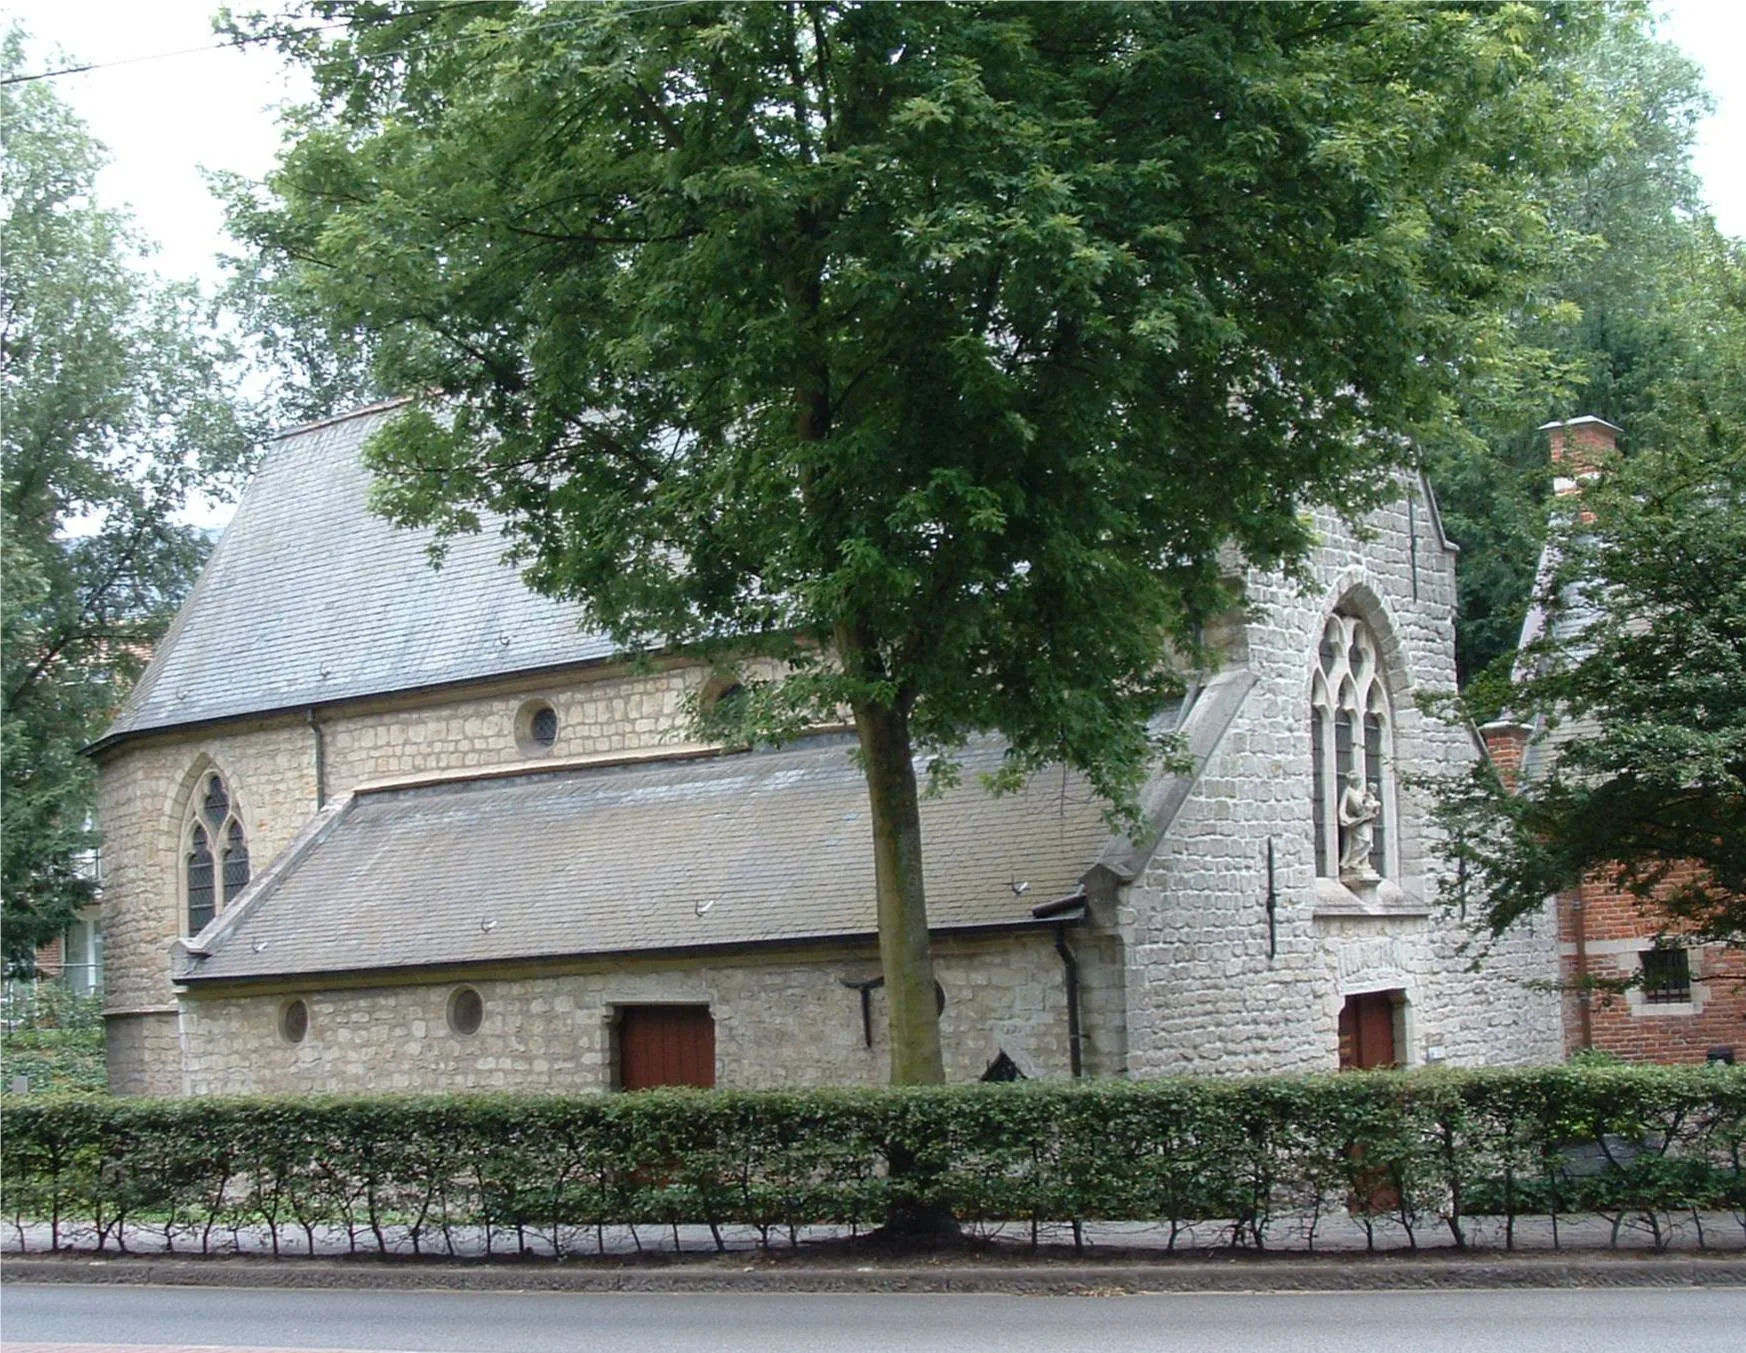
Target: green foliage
1405,1151
959,336
942,352
1627,310
54,1060
1640,681
113,412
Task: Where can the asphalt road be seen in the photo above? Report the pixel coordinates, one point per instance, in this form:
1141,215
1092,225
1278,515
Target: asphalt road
114,1318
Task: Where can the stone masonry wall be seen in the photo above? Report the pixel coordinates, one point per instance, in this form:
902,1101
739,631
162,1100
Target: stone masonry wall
611,713
142,1053
143,807
1203,994
779,1021
271,771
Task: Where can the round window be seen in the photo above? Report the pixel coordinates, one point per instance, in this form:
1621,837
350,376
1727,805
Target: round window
466,1011
536,728
294,1021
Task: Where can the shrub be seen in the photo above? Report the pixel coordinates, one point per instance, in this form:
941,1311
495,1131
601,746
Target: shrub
1433,1148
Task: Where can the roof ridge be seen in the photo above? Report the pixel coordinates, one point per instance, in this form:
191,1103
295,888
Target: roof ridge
362,411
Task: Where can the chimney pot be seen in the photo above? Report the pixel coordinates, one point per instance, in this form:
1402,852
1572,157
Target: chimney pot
1580,446
1506,743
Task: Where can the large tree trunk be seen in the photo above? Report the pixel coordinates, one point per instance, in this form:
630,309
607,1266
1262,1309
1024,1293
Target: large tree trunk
904,955
913,1013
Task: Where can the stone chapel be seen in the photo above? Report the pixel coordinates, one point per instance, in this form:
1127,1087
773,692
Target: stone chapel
371,825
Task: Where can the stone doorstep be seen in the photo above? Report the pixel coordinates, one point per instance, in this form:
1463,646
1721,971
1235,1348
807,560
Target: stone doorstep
1248,1272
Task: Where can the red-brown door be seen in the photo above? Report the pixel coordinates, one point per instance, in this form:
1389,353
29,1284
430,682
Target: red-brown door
1367,1044
665,1045
1367,1032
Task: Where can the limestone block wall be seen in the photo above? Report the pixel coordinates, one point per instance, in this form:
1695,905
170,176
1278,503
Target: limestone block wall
144,802
270,767
142,1053
1203,994
782,1020
607,713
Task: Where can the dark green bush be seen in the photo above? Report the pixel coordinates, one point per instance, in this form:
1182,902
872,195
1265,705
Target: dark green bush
1418,1150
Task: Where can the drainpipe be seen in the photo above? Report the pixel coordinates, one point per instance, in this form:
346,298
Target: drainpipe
1584,994
320,760
1070,969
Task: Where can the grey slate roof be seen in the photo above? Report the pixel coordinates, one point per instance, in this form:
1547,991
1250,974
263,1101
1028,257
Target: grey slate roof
739,849
309,598
1563,624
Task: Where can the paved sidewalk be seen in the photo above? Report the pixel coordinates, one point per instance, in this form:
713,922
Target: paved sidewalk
1326,1234
1303,1253
957,1271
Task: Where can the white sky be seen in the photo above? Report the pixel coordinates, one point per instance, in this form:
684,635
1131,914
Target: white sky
165,119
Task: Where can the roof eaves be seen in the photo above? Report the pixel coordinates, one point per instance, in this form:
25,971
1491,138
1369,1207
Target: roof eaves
437,971
1435,513
109,741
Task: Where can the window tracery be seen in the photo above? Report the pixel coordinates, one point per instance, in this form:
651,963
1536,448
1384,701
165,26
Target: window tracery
1350,741
216,857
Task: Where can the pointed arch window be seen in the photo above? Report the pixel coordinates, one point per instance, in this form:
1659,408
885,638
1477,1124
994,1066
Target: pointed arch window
1350,741
216,858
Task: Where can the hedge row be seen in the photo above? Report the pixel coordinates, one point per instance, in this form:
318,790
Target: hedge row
1416,1149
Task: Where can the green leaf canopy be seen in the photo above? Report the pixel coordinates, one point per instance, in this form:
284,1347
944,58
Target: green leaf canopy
947,352
115,409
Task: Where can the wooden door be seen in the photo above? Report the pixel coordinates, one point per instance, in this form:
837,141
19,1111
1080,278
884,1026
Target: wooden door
665,1045
1367,1044
1367,1032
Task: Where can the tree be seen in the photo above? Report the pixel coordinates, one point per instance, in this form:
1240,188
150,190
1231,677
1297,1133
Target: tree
937,351
1635,227
114,408
1639,679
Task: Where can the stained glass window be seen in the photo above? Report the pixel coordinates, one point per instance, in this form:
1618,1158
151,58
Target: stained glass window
211,884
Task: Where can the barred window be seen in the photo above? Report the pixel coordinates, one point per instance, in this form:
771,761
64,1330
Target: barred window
213,882
1666,976
1350,752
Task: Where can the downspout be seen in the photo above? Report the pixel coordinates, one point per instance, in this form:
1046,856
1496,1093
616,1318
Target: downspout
320,760
1070,970
1584,993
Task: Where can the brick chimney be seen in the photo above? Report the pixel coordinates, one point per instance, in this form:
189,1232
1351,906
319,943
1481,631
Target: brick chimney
1580,447
1506,743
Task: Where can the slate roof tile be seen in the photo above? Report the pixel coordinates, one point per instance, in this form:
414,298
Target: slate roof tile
310,598
746,848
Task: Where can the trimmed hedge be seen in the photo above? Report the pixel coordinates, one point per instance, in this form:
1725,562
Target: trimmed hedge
1417,1150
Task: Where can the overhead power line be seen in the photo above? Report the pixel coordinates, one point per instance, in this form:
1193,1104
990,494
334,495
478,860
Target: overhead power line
151,56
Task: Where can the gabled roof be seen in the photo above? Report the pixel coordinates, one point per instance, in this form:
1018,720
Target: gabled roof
729,850
310,598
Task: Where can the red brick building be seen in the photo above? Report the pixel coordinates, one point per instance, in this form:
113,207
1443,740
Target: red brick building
1690,1007
1690,1004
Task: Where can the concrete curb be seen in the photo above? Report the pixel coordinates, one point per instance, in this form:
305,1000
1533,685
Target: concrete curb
1247,1273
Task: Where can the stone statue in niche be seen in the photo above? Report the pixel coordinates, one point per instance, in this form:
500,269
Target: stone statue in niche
1359,810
